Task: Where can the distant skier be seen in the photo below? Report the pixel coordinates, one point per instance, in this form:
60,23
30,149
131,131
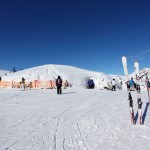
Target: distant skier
131,108
139,107
59,85
91,84
0,80
138,89
132,84
147,82
113,85
23,82
128,85
66,84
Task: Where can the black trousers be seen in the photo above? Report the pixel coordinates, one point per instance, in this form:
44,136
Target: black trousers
59,91
114,88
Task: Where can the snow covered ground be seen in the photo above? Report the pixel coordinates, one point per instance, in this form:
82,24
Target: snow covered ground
79,119
4,72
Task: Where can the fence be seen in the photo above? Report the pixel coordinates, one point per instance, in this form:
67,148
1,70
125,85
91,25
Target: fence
34,84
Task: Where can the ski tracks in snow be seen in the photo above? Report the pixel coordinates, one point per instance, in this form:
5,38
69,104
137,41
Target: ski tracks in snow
87,120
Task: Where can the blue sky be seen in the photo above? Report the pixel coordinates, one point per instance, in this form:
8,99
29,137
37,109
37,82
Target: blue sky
90,34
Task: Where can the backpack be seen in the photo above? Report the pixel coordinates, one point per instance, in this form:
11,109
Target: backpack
59,81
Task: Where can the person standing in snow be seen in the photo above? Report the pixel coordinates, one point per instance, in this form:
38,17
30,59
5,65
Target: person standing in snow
89,83
113,85
128,85
66,84
147,82
138,89
132,84
0,80
23,82
59,85
139,107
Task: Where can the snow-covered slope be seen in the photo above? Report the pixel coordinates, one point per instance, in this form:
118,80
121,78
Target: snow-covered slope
4,72
79,119
76,76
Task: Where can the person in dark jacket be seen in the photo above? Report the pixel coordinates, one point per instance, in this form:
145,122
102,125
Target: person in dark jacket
91,84
138,89
139,107
128,85
59,85
113,85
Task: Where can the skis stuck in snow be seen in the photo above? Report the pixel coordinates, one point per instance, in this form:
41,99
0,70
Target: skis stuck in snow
125,67
131,108
138,89
136,68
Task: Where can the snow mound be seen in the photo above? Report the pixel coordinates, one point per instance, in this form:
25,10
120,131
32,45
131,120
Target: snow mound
75,76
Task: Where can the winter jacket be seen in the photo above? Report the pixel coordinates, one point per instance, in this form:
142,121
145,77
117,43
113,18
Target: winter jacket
148,84
138,87
90,83
113,82
132,82
58,82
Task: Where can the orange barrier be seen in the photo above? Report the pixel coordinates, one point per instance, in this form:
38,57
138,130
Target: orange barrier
43,84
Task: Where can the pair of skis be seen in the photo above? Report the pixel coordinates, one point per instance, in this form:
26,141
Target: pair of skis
136,67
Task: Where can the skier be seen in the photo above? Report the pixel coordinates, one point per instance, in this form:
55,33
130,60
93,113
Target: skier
66,84
132,84
92,84
113,85
59,85
0,80
138,89
139,107
23,83
147,82
131,108
128,85
88,84
148,85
